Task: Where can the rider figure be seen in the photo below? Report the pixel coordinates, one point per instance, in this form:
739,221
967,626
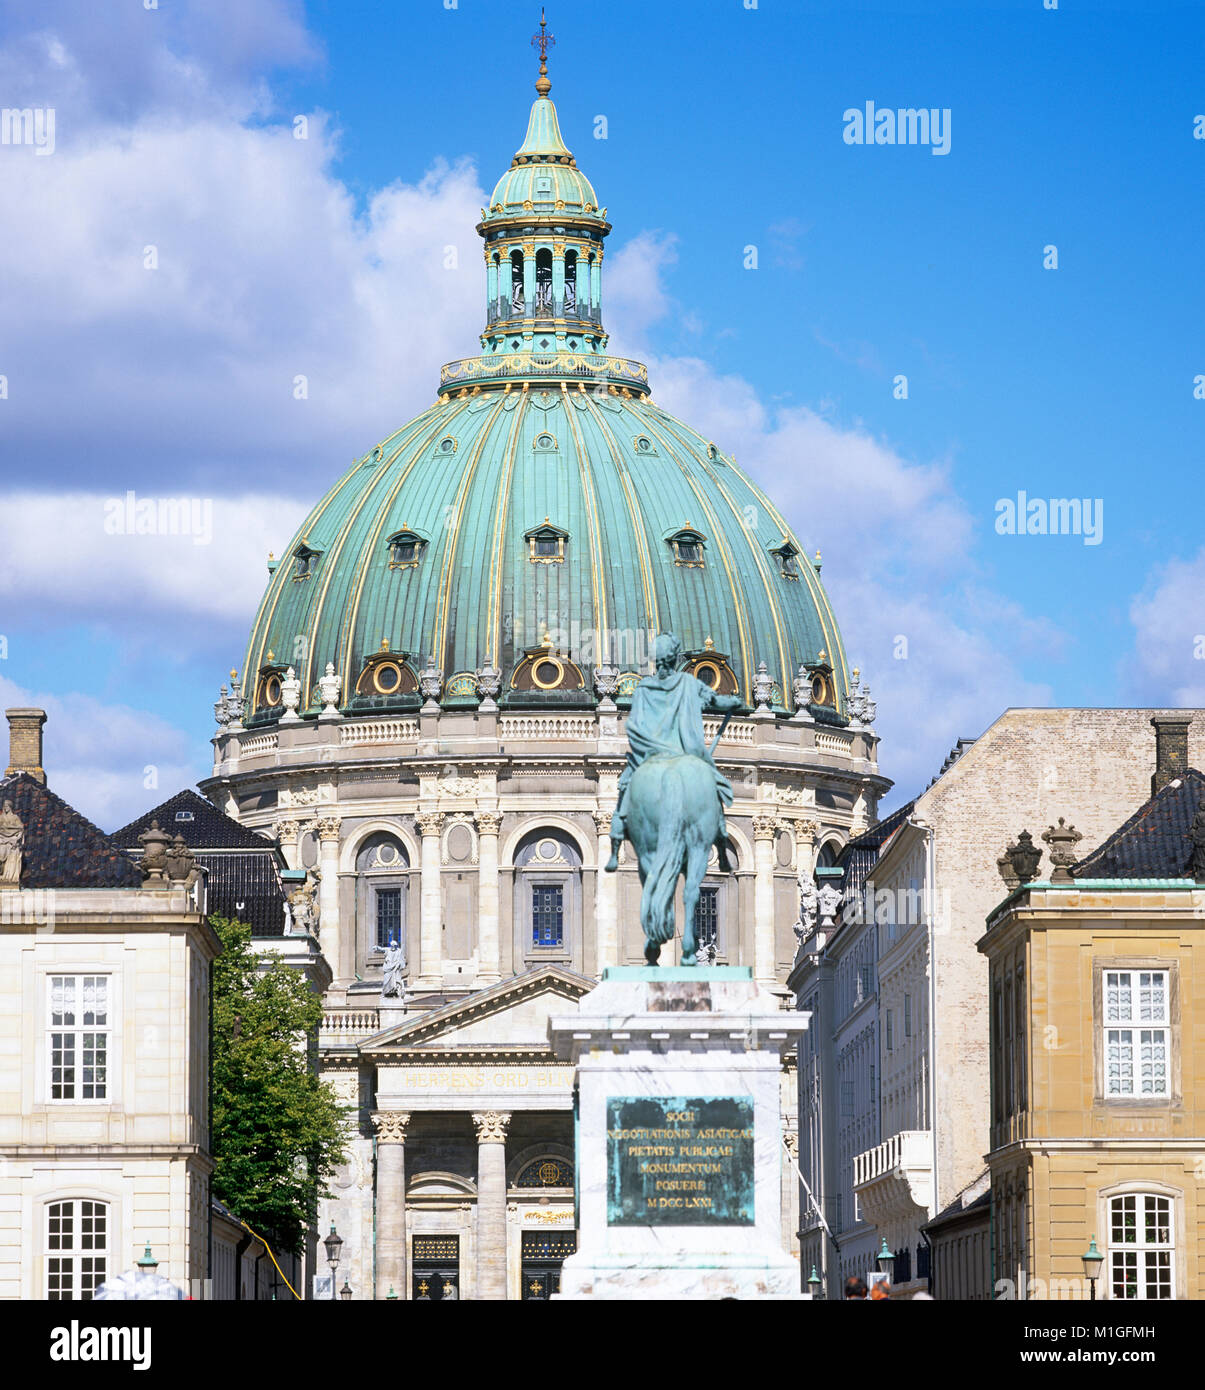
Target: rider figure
666,720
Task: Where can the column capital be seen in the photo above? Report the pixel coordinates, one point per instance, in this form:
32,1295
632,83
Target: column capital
429,822
806,831
765,827
491,1126
602,819
287,829
488,822
327,827
390,1125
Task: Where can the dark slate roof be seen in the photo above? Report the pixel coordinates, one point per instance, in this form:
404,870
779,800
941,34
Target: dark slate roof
208,827
1154,842
243,867
63,849
861,854
246,886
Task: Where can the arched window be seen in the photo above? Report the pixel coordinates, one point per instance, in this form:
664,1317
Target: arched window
77,1248
570,282
1141,1246
544,281
383,869
546,1172
304,561
516,282
548,873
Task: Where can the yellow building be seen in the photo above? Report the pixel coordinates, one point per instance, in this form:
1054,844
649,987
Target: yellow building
1097,979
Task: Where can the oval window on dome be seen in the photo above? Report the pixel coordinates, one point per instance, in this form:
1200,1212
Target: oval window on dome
545,442
272,691
447,445
820,691
547,673
386,677
709,673
644,445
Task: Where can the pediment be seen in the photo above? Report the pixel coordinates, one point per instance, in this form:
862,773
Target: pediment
512,1014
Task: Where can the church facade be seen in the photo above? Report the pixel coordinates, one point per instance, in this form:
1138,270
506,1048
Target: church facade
430,721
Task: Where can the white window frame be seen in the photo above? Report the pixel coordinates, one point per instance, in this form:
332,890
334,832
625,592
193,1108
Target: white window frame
77,1252
1124,1027
1140,1247
78,1031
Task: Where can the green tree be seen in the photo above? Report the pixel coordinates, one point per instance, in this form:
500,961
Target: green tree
278,1132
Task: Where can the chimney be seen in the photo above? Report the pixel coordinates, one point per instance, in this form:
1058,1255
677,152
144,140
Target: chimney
1171,747
25,742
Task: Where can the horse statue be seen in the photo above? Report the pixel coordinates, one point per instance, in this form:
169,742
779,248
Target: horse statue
671,796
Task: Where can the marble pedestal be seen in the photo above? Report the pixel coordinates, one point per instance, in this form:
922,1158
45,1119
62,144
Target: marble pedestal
679,1151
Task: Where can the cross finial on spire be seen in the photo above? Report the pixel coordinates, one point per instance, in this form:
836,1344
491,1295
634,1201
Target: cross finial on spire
543,41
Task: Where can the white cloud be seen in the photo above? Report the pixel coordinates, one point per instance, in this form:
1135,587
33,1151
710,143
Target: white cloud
100,757
61,557
1168,666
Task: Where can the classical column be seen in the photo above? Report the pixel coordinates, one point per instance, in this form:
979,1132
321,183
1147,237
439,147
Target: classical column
529,279
489,958
491,285
805,848
606,900
390,1126
430,823
287,832
764,829
491,1203
327,830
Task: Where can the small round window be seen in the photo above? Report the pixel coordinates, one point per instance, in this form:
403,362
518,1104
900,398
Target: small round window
387,677
547,673
272,690
708,673
447,446
643,444
819,690
543,441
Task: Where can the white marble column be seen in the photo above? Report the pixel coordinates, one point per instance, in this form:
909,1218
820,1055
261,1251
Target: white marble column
764,830
287,832
430,945
327,830
606,900
489,957
805,848
390,1126
491,1203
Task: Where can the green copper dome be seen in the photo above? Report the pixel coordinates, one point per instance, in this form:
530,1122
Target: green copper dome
525,537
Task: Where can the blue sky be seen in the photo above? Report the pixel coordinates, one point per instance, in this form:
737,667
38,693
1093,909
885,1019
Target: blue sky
174,129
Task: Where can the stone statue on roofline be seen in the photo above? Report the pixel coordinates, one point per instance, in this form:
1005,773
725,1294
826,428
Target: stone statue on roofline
12,841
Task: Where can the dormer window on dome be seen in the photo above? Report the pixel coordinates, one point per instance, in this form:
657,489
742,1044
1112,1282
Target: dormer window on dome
305,561
405,549
447,445
545,443
643,444
785,555
688,546
546,544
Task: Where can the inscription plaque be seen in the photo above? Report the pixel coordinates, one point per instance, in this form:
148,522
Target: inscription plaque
680,1161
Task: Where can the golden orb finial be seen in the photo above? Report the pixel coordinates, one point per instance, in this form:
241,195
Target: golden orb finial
384,644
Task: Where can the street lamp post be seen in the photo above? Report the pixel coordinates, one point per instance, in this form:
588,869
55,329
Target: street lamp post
814,1283
334,1248
1093,1259
345,1291
885,1260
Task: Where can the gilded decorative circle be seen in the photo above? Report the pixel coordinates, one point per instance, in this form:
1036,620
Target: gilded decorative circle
548,673
386,677
272,690
709,673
